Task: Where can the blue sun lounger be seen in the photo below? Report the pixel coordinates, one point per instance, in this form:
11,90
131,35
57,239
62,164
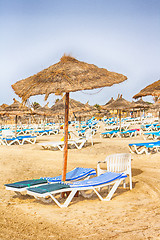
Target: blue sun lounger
153,135
10,141
20,140
110,134
74,175
46,132
27,139
129,133
148,147
50,190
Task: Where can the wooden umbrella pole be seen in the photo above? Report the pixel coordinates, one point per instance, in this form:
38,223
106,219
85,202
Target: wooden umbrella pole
65,137
16,120
120,116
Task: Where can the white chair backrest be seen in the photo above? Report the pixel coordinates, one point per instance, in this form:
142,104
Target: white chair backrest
7,133
118,162
88,134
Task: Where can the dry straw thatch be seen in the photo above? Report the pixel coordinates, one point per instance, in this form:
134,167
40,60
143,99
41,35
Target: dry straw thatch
156,105
16,108
142,104
119,104
110,101
68,75
74,106
3,106
105,106
43,111
152,89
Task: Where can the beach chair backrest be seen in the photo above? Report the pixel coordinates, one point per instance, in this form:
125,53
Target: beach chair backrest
88,134
118,162
7,133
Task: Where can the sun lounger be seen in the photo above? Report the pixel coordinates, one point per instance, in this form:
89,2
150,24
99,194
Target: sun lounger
52,131
79,143
83,135
41,132
24,131
10,141
20,140
8,138
152,135
46,132
74,175
129,133
148,147
52,145
111,134
52,190
27,139
149,127
112,127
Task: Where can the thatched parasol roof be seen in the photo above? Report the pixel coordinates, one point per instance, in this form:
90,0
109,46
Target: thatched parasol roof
16,108
2,111
119,104
3,106
156,105
88,107
110,101
45,111
68,75
142,104
89,111
74,106
152,89
105,106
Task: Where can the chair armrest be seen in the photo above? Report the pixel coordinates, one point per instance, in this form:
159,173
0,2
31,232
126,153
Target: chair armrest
99,170
101,162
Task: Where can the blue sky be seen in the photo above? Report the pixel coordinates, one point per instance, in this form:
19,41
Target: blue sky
119,35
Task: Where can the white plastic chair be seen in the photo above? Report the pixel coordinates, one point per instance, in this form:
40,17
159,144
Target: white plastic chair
7,133
120,163
88,135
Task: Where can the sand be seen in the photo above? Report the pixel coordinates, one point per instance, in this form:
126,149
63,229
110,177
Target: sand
131,214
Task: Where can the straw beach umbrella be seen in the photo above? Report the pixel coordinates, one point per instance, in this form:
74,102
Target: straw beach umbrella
152,89
119,104
156,106
110,101
68,75
44,112
141,105
74,106
104,107
4,105
16,109
2,110
88,111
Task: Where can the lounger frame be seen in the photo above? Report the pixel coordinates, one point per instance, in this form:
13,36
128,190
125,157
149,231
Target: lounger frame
74,190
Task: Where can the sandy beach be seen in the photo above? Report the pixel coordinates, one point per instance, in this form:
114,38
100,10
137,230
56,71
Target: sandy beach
131,214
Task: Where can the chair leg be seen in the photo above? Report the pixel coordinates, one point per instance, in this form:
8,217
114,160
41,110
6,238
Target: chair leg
130,180
111,192
124,183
